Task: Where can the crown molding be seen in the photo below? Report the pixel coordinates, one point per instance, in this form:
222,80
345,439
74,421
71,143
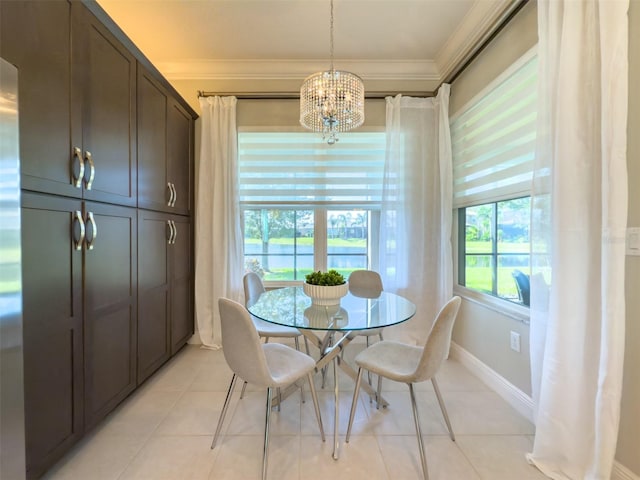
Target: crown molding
479,21
271,69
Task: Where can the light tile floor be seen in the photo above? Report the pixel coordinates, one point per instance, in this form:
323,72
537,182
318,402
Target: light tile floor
164,431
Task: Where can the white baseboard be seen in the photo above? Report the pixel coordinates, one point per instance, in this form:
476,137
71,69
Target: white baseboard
620,472
516,397
512,394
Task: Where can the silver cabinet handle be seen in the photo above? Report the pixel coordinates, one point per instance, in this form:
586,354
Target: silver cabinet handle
175,232
94,231
92,170
77,216
175,194
170,194
77,154
170,232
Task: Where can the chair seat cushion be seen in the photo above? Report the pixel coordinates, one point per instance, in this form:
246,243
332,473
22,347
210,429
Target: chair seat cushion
285,364
266,329
393,360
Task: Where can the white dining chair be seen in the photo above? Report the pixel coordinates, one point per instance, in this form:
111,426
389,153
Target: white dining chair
410,364
366,284
269,365
253,288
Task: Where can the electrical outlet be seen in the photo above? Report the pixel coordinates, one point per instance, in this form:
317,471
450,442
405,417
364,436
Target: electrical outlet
515,341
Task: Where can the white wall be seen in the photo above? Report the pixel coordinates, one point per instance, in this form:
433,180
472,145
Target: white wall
485,333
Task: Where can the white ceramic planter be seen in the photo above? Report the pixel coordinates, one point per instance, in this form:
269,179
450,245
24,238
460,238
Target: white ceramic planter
323,295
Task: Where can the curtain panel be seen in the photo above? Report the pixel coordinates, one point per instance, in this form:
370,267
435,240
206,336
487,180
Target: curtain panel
579,214
218,237
415,225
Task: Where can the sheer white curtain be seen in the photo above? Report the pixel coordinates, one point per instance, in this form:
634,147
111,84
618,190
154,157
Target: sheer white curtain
218,237
579,220
415,226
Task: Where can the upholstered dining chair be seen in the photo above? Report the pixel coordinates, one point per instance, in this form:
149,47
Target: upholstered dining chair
366,284
269,365
253,288
410,364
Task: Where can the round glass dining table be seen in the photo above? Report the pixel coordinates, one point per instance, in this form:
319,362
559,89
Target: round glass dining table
292,308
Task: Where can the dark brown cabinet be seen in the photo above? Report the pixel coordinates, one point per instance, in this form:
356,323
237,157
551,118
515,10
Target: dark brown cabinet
77,101
79,343
110,308
53,327
165,139
164,288
107,288
103,110
35,37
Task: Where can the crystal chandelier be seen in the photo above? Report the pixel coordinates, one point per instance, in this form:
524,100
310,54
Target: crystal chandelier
332,101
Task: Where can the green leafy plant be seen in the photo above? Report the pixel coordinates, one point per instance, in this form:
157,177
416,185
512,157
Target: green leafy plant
327,279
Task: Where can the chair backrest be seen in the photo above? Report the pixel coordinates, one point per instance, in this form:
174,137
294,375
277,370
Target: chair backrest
241,345
253,288
365,283
437,344
523,285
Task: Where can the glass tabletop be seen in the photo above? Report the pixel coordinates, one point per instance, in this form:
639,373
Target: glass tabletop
291,307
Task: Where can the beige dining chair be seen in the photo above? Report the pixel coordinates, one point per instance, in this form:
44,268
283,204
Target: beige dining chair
366,284
410,364
269,365
253,288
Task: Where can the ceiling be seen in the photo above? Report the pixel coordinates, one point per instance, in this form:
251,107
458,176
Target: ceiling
418,42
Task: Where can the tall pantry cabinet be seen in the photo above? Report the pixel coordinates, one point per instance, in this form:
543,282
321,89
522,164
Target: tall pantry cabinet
96,156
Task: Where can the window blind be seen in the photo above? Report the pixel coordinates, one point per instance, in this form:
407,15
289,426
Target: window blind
493,139
290,169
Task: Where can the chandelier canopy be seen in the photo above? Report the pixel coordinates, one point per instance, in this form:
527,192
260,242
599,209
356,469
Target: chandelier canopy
332,101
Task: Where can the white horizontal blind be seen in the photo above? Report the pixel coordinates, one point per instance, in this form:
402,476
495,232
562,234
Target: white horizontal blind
290,169
493,139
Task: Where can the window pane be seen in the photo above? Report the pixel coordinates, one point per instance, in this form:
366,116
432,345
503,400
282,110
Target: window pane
513,225
278,243
347,240
479,272
479,229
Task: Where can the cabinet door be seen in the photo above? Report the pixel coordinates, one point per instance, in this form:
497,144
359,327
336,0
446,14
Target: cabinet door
104,109
110,295
34,36
153,190
180,155
154,235
181,286
52,328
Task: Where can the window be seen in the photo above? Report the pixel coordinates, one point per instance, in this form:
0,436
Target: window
494,248
308,205
493,147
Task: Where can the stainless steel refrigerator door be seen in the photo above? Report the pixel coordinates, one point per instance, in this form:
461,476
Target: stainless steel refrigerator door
12,453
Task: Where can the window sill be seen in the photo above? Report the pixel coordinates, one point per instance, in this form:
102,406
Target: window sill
504,307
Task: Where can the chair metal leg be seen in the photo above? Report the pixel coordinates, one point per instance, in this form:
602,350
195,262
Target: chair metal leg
336,393
265,451
316,405
368,372
443,408
244,387
416,419
354,403
306,345
224,411
379,392
279,393
297,342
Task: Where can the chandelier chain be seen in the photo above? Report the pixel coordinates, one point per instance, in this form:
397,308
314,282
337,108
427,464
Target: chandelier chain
331,36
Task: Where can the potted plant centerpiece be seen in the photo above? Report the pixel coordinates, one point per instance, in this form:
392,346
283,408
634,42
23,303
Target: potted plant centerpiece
325,288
